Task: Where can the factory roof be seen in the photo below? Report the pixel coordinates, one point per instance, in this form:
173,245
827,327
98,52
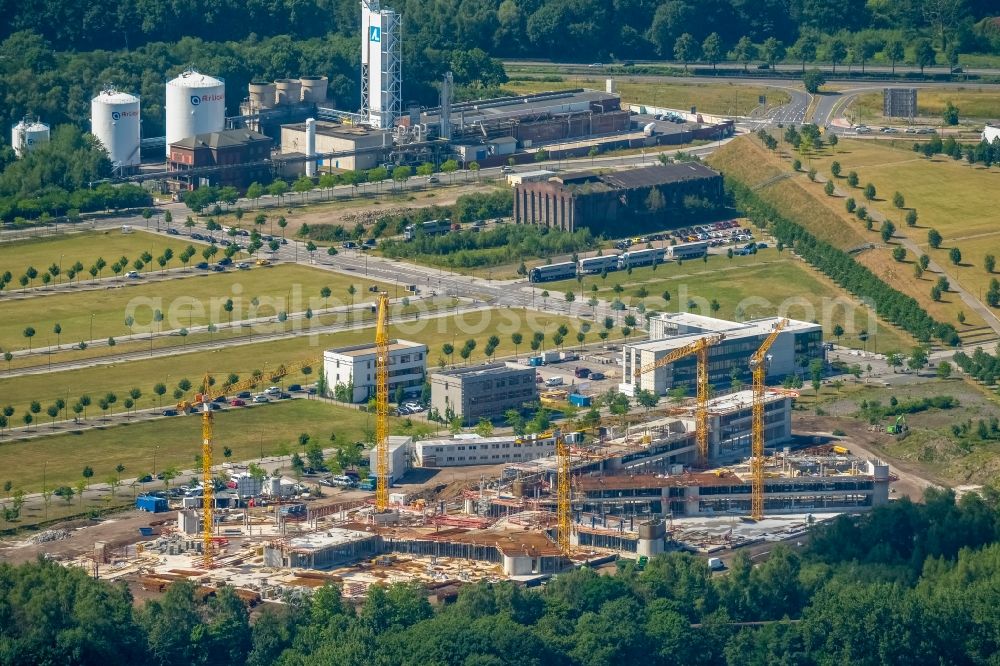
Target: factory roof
562,101
332,537
223,139
507,542
659,174
701,479
336,130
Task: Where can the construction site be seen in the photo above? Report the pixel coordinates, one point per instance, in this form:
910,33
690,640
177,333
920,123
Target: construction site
719,474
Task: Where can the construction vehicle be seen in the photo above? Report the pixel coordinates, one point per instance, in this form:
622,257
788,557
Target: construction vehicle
898,428
203,402
382,403
699,347
842,450
758,366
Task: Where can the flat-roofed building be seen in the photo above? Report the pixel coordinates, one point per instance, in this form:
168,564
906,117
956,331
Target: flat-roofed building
365,144
471,449
350,371
797,344
482,391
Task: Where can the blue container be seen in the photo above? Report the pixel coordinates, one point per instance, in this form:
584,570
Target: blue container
151,503
146,531
578,400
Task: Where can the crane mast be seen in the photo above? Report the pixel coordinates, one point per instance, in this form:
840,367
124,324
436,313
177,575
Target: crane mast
563,524
382,403
700,349
758,365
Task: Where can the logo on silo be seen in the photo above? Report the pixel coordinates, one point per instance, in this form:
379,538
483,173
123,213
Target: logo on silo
115,115
195,100
374,34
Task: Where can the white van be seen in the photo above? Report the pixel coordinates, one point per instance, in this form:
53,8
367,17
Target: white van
554,381
126,228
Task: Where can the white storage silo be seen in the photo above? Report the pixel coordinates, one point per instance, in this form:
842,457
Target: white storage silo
114,120
28,135
196,104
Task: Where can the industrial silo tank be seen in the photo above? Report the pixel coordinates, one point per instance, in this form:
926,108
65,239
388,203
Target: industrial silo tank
289,91
28,135
114,120
196,104
262,94
314,89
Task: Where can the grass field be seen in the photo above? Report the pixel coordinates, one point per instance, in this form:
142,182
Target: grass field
721,98
958,200
766,284
973,102
242,360
827,218
272,429
85,247
195,300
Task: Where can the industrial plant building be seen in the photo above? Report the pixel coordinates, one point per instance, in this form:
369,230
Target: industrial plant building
482,391
605,202
354,366
220,149
363,147
797,344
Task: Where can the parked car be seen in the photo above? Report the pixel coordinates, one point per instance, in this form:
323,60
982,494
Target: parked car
173,232
217,268
597,376
246,395
132,275
272,390
349,245
221,399
283,396
225,261
146,478
581,373
295,387
433,180
202,265
243,266
237,402
170,412
506,169
263,262
261,399
214,406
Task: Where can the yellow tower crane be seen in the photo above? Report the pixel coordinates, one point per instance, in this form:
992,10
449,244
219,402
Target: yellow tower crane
563,509
203,403
382,403
758,365
699,347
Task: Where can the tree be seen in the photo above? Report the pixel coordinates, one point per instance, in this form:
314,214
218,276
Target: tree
836,52
744,52
899,253
29,333
911,218
685,49
813,80
805,49
646,399
159,389
401,174
934,240
449,167
711,49
918,358
955,255
924,54
516,339
828,188
570,297
772,51
944,370
924,261
887,230
852,178
448,350
278,189
894,51
324,293
989,263
850,205
870,192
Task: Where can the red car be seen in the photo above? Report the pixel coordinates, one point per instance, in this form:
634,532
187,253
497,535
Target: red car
237,402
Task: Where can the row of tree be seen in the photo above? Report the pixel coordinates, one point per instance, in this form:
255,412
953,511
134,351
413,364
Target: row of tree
908,582
985,152
890,304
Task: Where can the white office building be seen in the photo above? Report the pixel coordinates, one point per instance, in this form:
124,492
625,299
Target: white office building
400,449
471,449
797,344
354,367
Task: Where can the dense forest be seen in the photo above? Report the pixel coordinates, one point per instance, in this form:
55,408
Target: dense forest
907,583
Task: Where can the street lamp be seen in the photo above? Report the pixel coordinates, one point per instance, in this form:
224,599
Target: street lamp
155,449
91,326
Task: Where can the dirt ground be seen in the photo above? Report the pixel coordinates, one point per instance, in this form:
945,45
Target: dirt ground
118,531
912,478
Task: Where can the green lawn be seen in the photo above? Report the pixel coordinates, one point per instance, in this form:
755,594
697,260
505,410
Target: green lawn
958,200
86,247
721,98
194,300
272,428
242,360
761,285
972,102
